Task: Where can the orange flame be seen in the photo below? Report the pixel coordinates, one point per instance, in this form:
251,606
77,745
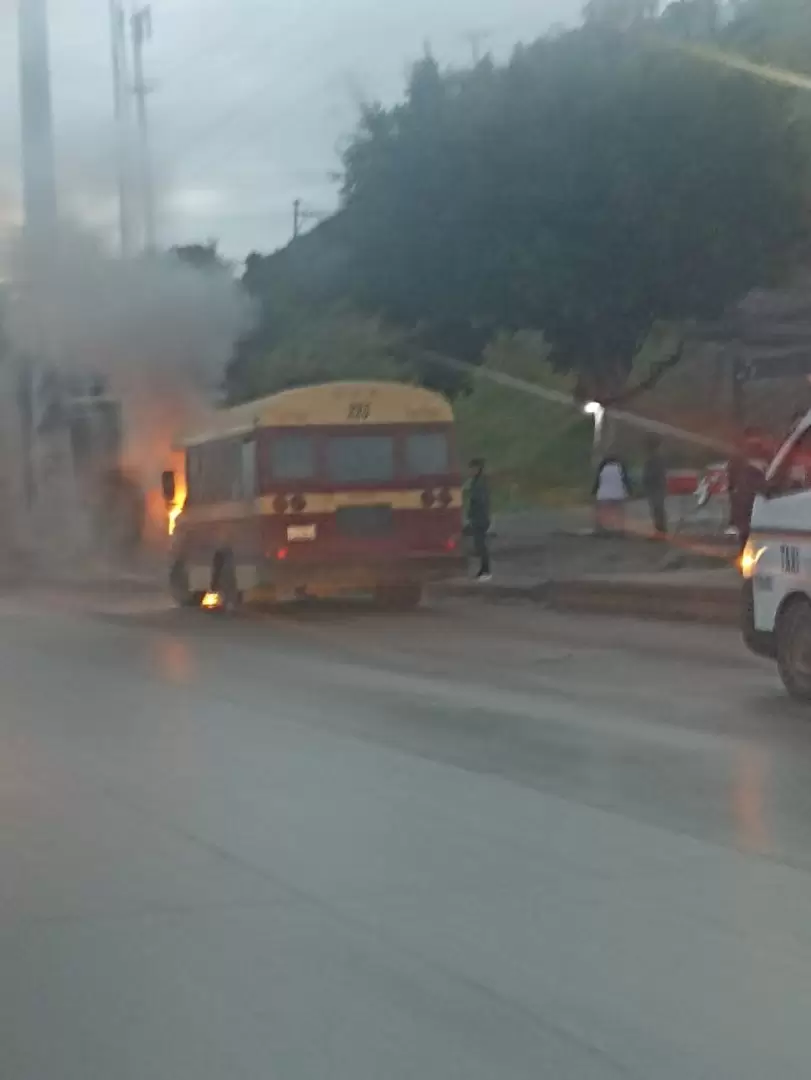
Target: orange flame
176,509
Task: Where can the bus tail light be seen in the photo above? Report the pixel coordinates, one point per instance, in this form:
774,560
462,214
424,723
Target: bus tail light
451,544
282,553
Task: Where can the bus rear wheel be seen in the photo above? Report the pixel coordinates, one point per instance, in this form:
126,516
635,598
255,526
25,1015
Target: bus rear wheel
179,587
224,583
794,649
405,597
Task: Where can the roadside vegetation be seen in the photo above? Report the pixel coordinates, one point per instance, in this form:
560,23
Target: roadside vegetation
566,216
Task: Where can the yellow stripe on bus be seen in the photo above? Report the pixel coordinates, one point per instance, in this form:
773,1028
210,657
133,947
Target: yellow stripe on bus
350,404
316,503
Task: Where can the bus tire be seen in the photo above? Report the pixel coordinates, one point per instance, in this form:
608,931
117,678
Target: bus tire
179,587
224,582
399,597
794,648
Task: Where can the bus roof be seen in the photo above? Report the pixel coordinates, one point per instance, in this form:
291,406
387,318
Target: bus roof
353,404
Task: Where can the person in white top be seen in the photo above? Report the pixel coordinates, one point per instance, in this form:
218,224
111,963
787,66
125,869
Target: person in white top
612,489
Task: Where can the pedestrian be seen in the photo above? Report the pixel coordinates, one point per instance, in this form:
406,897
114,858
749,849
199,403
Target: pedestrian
745,480
654,484
612,489
478,516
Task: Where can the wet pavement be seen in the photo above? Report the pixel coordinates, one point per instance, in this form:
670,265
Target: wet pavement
479,841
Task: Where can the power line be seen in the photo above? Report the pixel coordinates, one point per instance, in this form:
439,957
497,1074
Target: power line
280,31
235,111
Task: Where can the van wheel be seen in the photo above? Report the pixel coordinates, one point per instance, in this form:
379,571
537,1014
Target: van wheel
179,587
794,649
398,597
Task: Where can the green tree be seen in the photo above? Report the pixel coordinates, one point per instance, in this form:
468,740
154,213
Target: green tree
201,256
337,345
620,14
692,20
533,447
590,188
773,31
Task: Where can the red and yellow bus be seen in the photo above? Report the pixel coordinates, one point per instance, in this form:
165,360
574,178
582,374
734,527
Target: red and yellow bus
331,488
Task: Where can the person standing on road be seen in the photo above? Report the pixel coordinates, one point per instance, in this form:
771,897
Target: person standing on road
654,484
745,480
478,516
612,489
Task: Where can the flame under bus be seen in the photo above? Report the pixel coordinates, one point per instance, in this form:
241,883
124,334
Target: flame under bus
345,486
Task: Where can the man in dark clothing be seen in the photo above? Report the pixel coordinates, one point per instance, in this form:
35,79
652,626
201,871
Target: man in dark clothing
745,481
654,484
478,516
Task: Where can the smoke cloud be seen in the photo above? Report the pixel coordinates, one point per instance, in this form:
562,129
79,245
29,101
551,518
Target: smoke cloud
157,330
156,321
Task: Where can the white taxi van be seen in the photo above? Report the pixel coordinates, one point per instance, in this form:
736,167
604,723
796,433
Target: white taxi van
776,565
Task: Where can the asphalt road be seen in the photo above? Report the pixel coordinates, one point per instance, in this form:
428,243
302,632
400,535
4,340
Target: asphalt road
480,842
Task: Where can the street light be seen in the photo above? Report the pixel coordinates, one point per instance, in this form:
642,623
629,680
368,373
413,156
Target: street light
597,412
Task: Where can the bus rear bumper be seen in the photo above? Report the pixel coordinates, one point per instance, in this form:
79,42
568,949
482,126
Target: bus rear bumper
292,575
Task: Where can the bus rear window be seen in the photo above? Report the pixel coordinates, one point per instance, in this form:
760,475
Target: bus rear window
427,454
292,457
359,459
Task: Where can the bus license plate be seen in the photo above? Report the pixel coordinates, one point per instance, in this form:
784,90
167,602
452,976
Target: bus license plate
297,533
365,521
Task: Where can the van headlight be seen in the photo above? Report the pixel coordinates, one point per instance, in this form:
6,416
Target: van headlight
749,559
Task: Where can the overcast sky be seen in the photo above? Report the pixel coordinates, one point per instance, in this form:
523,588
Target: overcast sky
252,99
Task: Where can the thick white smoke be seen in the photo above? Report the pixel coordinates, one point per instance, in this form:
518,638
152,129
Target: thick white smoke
158,330
157,322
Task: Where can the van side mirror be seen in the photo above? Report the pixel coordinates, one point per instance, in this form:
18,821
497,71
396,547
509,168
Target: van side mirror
168,486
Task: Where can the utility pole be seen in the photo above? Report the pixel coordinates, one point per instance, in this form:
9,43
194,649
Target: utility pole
122,114
141,33
302,214
40,209
36,118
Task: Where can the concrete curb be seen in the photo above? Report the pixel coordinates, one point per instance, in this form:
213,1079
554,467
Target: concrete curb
538,592
714,604
706,545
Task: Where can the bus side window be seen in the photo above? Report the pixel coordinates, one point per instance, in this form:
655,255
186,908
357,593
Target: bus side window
248,469
194,475
215,472
232,476
288,458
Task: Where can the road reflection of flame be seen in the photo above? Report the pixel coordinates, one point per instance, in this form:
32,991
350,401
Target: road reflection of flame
748,800
174,659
